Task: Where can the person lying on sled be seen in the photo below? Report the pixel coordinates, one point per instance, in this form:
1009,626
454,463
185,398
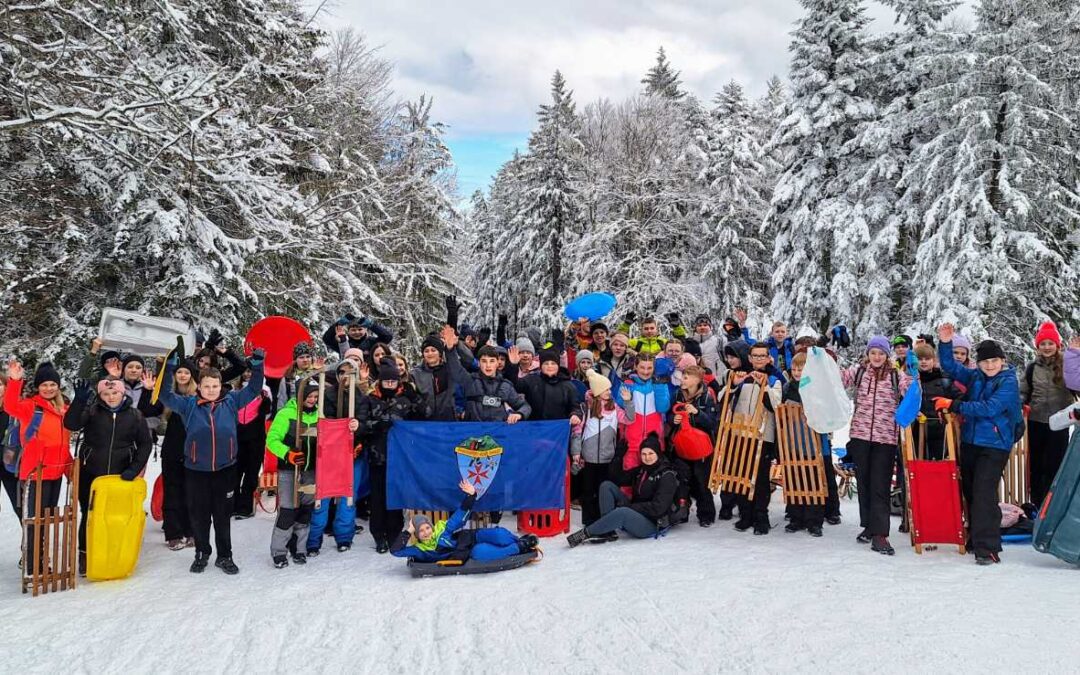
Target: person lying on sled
446,539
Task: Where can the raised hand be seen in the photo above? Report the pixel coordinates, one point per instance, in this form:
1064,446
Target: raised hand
740,316
15,370
148,380
946,332
513,355
449,336
95,345
1074,342
467,487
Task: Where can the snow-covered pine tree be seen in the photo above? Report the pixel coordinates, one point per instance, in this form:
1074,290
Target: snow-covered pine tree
662,79
549,222
995,253
734,198
821,231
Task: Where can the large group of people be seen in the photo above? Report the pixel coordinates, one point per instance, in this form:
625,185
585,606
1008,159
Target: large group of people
625,391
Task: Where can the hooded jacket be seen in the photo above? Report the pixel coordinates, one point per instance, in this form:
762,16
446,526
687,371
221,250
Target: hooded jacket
707,418
376,333
652,489
437,400
51,444
444,540
991,408
652,400
113,441
281,437
1045,396
210,443
875,402
596,438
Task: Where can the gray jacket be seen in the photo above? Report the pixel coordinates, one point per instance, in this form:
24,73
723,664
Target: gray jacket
439,405
1044,396
492,399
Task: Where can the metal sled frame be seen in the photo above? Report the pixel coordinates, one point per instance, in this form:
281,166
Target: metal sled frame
1015,486
55,549
801,461
738,447
910,454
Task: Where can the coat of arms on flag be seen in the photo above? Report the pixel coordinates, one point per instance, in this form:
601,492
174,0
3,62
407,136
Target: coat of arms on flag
478,461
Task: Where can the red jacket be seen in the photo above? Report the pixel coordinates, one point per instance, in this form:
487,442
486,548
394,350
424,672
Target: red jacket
51,445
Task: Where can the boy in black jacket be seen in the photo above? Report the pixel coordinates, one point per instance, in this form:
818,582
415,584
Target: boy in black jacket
701,412
491,398
935,383
115,440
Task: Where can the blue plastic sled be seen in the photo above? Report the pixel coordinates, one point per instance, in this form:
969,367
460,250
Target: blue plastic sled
592,306
445,568
1057,529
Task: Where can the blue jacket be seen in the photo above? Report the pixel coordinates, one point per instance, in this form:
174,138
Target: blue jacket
991,409
210,444
786,355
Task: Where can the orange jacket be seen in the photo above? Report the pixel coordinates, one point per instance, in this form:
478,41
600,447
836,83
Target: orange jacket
51,445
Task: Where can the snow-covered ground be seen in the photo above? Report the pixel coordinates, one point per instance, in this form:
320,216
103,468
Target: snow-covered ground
696,601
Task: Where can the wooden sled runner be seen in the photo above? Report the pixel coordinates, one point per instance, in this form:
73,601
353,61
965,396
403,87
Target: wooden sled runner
1015,487
738,447
935,509
444,568
801,461
50,538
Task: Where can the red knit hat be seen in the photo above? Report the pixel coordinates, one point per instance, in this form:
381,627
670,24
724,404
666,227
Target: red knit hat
1048,331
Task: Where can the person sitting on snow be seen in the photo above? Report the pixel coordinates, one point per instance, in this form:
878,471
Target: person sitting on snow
425,541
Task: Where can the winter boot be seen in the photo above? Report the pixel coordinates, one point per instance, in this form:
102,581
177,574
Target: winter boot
881,545
311,553
726,513
175,544
189,542
815,531
603,538
832,520
227,566
982,558
863,537
341,548
761,529
742,524
299,558
528,542
358,529
793,527
577,538
201,560
280,561
382,546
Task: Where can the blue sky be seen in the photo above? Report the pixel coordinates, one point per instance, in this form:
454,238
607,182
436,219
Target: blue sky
488,63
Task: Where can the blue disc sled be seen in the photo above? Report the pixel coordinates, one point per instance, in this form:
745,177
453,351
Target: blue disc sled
592,306
445,568
1057,529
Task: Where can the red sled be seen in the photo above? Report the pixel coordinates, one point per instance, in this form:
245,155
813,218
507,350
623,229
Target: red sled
334,463
935,509
157,500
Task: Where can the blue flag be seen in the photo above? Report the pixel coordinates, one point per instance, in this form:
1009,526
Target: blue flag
512,466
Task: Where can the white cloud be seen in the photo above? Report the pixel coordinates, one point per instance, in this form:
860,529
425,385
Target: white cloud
489,64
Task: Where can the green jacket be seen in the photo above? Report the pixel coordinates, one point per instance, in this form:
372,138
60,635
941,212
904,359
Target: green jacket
655,345
280,439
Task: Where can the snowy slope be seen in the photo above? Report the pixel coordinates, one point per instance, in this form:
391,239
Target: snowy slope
696,601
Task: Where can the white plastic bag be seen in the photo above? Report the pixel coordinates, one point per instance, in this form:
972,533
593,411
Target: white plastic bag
824,400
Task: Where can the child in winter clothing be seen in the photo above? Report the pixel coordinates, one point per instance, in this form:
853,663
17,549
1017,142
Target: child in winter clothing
649,342
962,351
620,362
489,397
391,401
802,516
305,365
935,384
115,440
595,440
251,437
549,391
701,412
355,332
737,357
873,438
653,484
1071,365
1043,390
747,390
651,401
583,364
425,541
46,443
710,344
992,418
781,347
210,455
97,365
177,524
139,386
437,377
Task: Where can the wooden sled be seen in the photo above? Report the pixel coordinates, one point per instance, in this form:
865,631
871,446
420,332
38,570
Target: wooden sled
1015,486
268,486
934,506
802,463
54,551
738,447
444,568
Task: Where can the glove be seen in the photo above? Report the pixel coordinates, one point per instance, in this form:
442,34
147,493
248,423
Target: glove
366,322
452,307
673,319
129,474
557,339
503,320
942,404
257,358
214,340
630,318
482,336
82,390
296,457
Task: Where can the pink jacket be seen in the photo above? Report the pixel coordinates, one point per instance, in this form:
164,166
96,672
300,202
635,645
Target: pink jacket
875,405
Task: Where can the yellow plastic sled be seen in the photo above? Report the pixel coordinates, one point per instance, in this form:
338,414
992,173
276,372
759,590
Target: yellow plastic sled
114,527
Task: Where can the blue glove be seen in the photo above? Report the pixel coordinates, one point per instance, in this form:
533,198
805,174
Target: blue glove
129,475
366,322
255,361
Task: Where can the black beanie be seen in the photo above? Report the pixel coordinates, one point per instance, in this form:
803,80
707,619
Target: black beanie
310,386
132,358
46,373
693,347
652,441
433,340
988,349
388,370
106,355
549,355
